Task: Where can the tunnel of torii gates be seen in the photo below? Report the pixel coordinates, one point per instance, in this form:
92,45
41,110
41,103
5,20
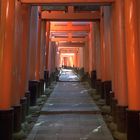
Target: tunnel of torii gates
101,36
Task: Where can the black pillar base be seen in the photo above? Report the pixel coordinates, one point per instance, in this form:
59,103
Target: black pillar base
27,95
98,85
121,118
46,77
102,90
114,109
6,124
107,89
33,88
112,95
41,86
17,118
23,102
93,79
133,125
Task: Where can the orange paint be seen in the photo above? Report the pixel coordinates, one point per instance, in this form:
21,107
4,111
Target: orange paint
114,52
25,11
43,45
33,43
6,52
37,71
132,54
122,78
17,56
47,43
102,54
97,53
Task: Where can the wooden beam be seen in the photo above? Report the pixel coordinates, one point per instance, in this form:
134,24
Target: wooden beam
69,39
67,28
70,44
71,16
68,2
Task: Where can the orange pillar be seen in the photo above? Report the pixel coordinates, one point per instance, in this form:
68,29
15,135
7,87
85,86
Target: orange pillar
102,54
42,55
47,52
7,11
86,57
97,48
114,63
121,69
43,45
17,68
24,64
107,84
16,57
102,46
38,45
33,47
92,52
47,42
33,42
26,12
133,68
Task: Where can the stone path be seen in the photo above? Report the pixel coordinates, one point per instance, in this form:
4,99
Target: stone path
70,114
68,75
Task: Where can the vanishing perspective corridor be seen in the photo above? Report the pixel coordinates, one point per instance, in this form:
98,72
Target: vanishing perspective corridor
69,69
70,114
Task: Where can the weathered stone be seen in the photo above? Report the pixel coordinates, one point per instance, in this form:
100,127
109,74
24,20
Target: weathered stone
100,102
33,109
120,136
108,118
96,97
113,126
19,136
106,109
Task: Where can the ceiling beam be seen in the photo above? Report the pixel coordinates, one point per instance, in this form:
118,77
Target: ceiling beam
68,2
69,39
70,44
70,16
67,28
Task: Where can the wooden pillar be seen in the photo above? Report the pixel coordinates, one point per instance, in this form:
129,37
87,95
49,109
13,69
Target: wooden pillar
43,45
6,65
122,75
86,57
102,54
97,44
37,71
133,68
33,74
42,55
107,83
92,52
25,15
114,63
47,42
17,68
46,74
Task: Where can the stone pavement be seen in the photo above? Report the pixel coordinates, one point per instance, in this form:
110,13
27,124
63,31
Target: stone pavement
70,114
68,75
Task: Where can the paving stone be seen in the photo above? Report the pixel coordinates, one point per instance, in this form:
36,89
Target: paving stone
71,115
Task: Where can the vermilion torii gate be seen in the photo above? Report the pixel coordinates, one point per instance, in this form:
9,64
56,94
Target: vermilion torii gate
111,55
